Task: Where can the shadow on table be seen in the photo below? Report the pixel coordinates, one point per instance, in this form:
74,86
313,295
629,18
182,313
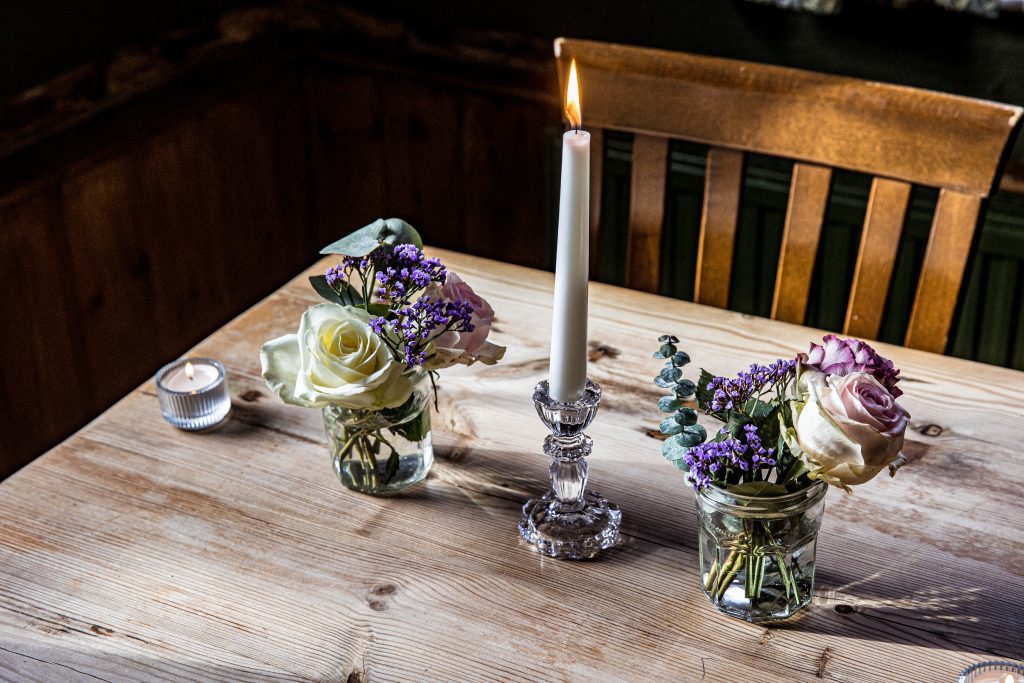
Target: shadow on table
979,612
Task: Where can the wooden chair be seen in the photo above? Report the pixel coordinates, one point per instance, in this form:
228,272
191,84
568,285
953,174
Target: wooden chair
901,136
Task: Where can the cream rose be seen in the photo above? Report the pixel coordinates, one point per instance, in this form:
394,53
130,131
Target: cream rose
335,359
850,428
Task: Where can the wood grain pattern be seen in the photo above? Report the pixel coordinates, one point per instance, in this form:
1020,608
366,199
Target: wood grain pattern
949,244
905,133
137,552
876,256
41,382
808,197
646,212
723,184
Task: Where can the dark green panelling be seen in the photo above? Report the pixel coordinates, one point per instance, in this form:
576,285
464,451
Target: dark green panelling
759,233
685,196
837,252
990,318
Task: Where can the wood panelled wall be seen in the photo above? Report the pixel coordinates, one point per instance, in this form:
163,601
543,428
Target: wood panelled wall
133,231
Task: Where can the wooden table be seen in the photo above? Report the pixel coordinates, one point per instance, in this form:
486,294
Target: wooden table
134,551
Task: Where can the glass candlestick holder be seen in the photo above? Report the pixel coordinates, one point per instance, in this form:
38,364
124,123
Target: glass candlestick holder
569,522
193,393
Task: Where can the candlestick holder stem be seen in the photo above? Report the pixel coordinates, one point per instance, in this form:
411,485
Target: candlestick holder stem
569,522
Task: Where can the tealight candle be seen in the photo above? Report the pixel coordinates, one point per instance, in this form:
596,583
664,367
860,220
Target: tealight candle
193,393
993,672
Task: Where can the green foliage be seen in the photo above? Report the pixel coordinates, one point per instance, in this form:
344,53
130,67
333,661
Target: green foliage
393,231
767,411
680,358
685,389
670,426
686,416
673,450
343,293
703,395
757,489
693,435
682,429
669,404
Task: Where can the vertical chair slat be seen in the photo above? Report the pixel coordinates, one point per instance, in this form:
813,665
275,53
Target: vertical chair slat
723,182
596,175
956,218
808,196
646,212
879,243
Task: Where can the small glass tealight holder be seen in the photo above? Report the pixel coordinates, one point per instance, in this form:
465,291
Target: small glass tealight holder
993,672
193,393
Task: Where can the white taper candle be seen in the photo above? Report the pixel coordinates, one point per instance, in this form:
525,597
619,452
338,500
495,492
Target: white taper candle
568,370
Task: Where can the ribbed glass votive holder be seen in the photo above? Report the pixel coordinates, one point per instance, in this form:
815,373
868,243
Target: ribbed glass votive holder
993,672
188,408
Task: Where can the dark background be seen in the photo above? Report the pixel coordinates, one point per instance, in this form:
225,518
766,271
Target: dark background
164,165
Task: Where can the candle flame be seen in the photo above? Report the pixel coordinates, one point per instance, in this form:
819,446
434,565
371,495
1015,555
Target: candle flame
572,99
189,371
1008,679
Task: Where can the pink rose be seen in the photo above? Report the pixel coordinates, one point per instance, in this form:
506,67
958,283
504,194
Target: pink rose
464,347
850,428
843,356
455,289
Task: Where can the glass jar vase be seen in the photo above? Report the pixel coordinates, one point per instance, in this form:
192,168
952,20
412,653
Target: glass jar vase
757,553
381,452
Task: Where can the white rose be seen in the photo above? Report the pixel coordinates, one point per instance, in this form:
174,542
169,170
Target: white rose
335,359
849,429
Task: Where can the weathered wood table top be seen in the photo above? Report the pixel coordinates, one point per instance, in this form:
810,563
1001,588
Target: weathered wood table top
134,551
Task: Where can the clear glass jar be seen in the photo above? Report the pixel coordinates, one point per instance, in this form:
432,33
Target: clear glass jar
380,452
757,554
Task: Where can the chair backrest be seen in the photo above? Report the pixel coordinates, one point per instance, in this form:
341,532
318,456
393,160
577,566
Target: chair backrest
901,136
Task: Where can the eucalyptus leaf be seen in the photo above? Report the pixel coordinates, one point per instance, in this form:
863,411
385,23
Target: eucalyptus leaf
666,351
392,231
671,374
680,358
673,450
669,404
757,489
692,435
668,339
663,384
670,426
686,416
685,389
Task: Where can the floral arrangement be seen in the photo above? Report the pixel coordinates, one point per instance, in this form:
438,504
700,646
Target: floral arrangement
393,315
829,415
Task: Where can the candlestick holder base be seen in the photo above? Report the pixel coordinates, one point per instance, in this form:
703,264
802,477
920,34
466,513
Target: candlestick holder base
569,522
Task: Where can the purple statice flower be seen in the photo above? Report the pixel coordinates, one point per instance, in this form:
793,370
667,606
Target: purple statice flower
416,324
716,461
405,271
732,393
845,356
335,275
